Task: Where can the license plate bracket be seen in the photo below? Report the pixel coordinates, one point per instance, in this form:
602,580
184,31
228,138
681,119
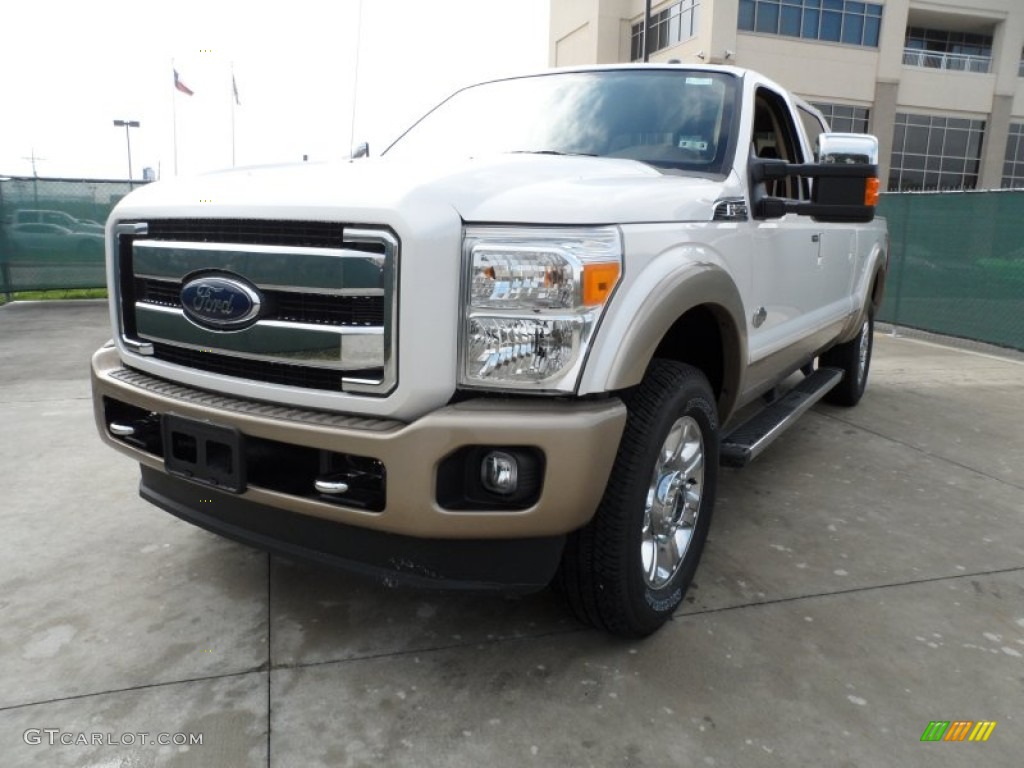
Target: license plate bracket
205,453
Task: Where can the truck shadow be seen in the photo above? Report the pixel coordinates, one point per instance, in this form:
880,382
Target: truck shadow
319,614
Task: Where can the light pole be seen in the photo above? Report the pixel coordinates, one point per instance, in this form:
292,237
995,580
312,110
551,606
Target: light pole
128,125
647,31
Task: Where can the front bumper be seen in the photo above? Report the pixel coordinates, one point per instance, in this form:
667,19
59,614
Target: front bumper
579,441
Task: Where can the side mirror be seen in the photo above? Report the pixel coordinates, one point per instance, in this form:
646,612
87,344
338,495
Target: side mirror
852,182
845,181
360,150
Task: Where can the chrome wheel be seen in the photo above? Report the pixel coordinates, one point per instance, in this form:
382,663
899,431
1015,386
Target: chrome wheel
863,350
673,503
628,570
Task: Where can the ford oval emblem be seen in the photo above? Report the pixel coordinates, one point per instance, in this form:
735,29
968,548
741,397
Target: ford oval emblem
220,303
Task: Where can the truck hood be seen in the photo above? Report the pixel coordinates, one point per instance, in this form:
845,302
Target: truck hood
514,188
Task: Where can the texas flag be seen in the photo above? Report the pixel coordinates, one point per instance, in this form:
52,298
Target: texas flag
180,85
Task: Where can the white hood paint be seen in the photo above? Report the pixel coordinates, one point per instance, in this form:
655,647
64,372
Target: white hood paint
425,204
526,189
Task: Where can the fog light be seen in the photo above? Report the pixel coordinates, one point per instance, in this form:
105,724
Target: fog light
499,473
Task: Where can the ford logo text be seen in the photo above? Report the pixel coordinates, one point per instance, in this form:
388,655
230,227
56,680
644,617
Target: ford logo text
220,303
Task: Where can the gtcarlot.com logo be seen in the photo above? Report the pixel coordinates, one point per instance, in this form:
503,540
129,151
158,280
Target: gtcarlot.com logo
958,730
56,737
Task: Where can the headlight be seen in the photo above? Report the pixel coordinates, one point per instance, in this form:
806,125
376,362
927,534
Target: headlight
533,300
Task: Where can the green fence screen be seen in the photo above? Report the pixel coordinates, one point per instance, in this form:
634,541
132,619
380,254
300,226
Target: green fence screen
51,231
957,264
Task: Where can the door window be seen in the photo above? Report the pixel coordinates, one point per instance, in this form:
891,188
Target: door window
776,136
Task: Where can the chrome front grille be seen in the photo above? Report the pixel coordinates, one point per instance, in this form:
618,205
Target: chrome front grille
327,315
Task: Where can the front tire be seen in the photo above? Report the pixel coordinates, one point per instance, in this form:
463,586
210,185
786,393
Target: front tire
854,359
629,568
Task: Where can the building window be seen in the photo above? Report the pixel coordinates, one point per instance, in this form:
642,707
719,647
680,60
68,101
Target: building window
835,21
813,128
940,49
636,43
673,25
935,153
844,119
1013,165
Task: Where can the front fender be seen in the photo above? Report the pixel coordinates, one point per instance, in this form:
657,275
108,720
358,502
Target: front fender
668,287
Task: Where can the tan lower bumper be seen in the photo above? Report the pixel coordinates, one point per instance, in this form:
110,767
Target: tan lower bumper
579,441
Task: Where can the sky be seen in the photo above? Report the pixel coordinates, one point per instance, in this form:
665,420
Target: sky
71,68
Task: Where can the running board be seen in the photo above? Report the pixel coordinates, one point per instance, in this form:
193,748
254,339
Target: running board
746,442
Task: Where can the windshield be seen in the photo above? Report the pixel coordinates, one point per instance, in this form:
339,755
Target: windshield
680,119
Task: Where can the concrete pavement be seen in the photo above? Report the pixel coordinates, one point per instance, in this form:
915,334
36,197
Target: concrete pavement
863,578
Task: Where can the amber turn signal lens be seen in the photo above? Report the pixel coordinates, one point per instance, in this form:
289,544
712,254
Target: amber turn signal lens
871,191
598,282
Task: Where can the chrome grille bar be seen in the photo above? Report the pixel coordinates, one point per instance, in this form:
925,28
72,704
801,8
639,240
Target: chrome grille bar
281,266
324,346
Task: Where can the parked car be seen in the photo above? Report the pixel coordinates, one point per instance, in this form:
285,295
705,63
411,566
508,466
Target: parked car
56,218
45,242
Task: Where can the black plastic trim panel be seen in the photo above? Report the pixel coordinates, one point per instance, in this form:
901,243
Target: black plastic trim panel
490,565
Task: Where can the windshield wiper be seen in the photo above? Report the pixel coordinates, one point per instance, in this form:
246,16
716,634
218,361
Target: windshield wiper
551,152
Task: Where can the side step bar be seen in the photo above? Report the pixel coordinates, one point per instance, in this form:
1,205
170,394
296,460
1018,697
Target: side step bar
746,441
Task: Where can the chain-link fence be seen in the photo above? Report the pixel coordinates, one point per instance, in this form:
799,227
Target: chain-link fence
51,232
957,264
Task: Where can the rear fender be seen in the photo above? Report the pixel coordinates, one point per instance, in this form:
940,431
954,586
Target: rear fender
869,291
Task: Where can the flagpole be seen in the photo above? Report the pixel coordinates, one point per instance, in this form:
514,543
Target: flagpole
234,98
174,119
355,78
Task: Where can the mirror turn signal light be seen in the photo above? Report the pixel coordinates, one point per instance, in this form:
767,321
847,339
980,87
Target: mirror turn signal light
871,191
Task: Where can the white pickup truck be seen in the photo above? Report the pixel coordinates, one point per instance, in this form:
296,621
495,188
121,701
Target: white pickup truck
511,351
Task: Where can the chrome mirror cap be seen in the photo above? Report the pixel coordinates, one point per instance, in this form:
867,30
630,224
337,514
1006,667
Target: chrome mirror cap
848,149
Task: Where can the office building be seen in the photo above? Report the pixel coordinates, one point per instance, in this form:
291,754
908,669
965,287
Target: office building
941,83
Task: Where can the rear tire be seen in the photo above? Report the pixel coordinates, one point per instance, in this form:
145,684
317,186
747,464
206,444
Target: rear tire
627,570
854,359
